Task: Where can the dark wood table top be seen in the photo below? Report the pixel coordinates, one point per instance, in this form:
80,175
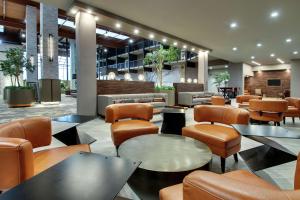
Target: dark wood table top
83,176
266,131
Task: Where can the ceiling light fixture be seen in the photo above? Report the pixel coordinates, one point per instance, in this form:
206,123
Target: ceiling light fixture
74,11
105,50
89,11
288,40
23,35
256,63
234,49
210,68
274,14
258,44
295,52
193,49
252,57
151,36
226,66
184,46
279,60
175,43
118,25
272,54
96,18
233,25
131,41
136,31
164,40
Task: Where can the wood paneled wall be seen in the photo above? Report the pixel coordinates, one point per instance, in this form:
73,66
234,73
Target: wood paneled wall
124,87
260,81
186,87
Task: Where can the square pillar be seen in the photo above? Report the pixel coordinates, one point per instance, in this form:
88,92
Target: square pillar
86,64
203,68
295,80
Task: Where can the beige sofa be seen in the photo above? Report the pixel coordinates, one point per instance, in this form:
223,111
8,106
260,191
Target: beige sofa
194,98
158,100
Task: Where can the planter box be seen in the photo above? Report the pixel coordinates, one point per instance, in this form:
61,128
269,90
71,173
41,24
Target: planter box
17,97
171,96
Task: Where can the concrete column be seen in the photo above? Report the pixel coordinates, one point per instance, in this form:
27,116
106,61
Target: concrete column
31,42
86,64
236,76
295,78
203,68
48,26
73,64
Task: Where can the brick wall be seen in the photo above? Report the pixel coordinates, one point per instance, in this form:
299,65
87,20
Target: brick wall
259,81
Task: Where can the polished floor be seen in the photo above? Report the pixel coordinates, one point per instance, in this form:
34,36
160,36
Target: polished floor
281,175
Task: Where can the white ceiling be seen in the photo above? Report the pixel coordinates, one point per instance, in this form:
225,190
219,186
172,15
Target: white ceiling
206,22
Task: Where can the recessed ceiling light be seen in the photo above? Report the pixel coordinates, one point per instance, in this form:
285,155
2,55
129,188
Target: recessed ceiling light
210,68
23,35
130,40
164,40
295,52
118,25
234,49
105,50
175,43
89,11
288,40
184,46
96,18
272,54
74,11
252,57
256,63
233,25
226,66
274,14
193,49
279,60
258,44
151,36
136,31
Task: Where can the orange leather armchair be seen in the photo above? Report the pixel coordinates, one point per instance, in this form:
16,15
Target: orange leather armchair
243,100
268,110
137,123
218,100
222,139
17,160
293,108
240,184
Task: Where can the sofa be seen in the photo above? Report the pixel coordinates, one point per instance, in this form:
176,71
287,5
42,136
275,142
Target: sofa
157,100
194,98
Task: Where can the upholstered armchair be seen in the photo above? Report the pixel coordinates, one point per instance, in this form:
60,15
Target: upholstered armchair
243,100
221,138
218,100
240,184
18,162
293,108
134,121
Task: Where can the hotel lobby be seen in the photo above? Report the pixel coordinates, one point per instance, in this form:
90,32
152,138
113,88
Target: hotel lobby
131,100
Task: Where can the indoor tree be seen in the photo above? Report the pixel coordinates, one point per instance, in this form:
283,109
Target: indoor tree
221,77
160,56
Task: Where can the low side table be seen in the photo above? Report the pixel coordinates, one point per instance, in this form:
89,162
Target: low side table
173,120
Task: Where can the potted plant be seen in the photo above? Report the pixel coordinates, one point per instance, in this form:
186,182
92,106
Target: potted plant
65,87
17,95
170,90
158,57
221,78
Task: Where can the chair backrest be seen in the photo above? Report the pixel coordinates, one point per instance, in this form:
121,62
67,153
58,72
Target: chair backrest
292,101
246,98
37,130
221,114
217,100
297,174
116,112
279,106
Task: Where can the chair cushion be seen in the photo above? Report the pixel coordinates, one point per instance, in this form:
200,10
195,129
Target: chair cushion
292,112
47,158
212,134
251,179
174,192
124,130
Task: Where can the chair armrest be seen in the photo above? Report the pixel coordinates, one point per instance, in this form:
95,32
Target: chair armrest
211,186
16,160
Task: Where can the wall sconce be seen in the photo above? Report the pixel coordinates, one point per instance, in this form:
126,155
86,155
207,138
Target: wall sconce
189,80
50,47
127,77
182,80
195,81
141,77
111,76
31,60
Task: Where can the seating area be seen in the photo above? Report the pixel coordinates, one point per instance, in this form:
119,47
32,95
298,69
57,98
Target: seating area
140,100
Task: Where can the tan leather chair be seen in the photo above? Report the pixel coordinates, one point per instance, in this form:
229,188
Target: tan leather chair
218,100
268,110
238,185
243,100
293,108
137,123
17,160
222,139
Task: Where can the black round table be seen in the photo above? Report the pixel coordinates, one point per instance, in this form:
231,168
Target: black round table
166,160
173,120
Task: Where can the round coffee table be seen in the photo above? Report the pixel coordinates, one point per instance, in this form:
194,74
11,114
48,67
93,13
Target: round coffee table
166,160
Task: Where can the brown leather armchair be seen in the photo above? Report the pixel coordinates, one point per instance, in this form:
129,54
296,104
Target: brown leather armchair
218,100
137,123
243,100
238,185
268,110
17,160
222,139
293,108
